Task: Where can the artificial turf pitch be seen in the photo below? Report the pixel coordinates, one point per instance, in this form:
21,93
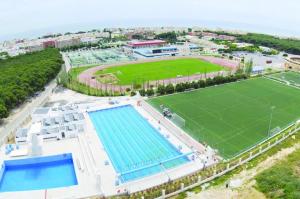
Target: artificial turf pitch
233,117
290,76
164,69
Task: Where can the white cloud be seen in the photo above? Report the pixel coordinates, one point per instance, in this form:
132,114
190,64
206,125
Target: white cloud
25,15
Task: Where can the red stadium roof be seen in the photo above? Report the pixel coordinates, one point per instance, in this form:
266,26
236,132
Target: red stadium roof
146,43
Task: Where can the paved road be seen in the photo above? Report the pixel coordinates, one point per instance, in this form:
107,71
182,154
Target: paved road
67,62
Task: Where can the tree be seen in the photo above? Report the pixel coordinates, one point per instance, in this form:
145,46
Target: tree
150,92
24,75
142,92
161,90
248,67
170,89
282,44
3,110
170,37
202,83
138,36
194,85
209,82
179,87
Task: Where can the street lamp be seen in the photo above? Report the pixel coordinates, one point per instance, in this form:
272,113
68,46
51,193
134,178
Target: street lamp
271,117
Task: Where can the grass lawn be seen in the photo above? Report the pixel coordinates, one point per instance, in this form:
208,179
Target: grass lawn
74,72
290,76
142,72
234,117
283,179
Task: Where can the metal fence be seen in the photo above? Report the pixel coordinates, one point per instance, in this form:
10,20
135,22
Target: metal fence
237,161
230,167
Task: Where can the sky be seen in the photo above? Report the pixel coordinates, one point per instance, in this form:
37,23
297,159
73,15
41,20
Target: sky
26,18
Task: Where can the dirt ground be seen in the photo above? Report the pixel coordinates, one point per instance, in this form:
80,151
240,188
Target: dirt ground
246,190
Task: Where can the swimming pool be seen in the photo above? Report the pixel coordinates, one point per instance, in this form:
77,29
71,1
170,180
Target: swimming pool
135,148
37,173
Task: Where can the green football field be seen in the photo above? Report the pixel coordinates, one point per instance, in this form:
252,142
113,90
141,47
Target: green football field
236,116
290,76
142,72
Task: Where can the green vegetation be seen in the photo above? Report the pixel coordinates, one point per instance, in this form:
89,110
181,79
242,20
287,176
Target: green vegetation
24,75
70,80
170,37
81,46
282,44
251,48
290,76
234,117
74,72
186,86
188,180
151,71
4,55
283,179
233,47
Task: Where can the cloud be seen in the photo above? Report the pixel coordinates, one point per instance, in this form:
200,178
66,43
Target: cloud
28,15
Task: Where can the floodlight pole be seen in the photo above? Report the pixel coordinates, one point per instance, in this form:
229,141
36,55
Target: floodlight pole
271,117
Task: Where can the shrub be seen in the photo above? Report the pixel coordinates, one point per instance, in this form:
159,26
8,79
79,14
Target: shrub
150,92
194,85
161,90
187,85
179,87
132,93
170,89
142,92
209,82
202,83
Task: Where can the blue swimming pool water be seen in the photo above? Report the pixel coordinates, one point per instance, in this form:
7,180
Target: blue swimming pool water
135,148
37,173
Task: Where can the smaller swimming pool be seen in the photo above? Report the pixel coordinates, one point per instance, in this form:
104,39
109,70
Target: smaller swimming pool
37,173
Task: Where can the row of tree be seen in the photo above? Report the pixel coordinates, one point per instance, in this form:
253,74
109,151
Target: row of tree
282,44
288,45
170,37
24,75
181,87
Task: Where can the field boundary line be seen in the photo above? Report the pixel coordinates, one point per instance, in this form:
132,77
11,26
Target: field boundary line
280,81
261,142
229,168
172,128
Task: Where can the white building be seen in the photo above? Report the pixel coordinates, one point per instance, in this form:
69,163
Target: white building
67,42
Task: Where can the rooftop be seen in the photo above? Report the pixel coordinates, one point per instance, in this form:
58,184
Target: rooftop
144,43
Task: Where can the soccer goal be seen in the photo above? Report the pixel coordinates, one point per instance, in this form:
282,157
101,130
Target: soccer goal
179,121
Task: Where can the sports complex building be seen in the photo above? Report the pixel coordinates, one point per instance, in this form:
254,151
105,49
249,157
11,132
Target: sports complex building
156,48
122,146
120,149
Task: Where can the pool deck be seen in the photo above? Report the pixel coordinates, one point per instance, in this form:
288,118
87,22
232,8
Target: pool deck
87,183
109,174
95,178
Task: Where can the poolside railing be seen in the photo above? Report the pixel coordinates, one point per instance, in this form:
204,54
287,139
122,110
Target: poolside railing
156,164
208,174
204,176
